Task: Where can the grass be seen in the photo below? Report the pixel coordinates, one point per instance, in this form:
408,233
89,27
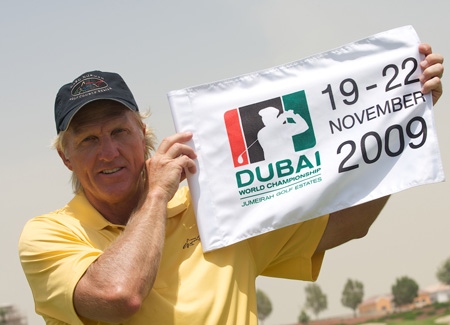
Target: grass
429,321
427,315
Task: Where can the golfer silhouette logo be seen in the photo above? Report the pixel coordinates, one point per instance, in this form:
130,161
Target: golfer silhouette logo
270,130
277,147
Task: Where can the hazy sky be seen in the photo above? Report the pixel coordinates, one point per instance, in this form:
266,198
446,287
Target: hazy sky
158,46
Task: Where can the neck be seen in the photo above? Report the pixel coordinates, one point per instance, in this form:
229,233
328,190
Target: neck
117,212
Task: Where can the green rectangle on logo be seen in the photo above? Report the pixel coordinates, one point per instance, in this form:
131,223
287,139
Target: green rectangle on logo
297,103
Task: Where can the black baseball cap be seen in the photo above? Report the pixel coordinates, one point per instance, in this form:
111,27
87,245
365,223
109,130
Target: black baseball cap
89,87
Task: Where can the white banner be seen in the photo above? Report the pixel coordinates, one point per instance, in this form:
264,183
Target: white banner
311,137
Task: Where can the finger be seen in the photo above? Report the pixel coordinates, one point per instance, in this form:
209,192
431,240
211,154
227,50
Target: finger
433,85
166,173
180,149
432,59
168,142
425,48
187,164
436,70
184,165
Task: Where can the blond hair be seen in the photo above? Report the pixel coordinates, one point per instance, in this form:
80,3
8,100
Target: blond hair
59,142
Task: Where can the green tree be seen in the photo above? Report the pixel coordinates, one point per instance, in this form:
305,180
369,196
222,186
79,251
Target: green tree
264,305
352,295
443,273
316,300
404,291
303,318
2,316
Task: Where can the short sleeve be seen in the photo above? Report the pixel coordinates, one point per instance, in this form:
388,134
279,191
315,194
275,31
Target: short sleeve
289,252
54,257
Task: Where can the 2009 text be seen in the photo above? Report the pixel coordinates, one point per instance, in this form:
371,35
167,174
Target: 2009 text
394,143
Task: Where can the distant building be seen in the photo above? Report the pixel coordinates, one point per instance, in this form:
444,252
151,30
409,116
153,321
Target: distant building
384,304
376,305
439,292
422,299
9,315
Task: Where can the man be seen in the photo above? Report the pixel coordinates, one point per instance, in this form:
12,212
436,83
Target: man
126,249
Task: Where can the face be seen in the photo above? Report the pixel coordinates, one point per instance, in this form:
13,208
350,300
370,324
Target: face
106,152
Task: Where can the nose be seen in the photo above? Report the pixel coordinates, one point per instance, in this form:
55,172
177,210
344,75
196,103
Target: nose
108,149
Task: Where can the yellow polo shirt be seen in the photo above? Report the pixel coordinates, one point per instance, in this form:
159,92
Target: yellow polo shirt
191,287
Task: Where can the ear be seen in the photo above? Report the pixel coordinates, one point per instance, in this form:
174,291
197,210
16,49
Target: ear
65,160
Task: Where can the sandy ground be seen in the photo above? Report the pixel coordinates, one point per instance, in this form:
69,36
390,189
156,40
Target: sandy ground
443,320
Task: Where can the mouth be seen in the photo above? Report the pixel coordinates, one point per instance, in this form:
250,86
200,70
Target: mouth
111,171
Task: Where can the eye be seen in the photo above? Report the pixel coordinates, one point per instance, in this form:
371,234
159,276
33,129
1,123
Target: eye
119,131
88,139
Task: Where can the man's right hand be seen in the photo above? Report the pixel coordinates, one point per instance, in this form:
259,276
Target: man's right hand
167,168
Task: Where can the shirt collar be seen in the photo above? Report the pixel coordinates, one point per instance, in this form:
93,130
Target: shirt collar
179,202
81,209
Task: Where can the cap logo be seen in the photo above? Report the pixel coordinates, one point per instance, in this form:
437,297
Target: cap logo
88,85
